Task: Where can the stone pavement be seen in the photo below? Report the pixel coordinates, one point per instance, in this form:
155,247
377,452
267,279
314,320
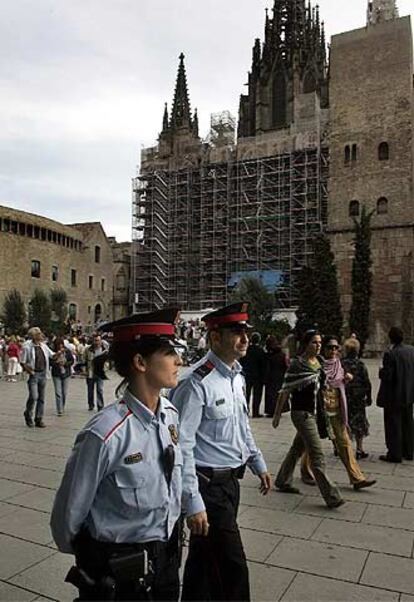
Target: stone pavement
297,549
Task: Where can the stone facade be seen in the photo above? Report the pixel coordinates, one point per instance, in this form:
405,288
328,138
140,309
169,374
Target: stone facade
122,301
371,164
355,116
36,252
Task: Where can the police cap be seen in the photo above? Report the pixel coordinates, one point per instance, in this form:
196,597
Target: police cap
160,324
228,317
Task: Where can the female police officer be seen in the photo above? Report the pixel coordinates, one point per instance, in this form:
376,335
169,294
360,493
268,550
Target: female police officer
119,502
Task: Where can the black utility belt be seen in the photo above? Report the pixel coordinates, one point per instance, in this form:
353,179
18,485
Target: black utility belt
220,475
110,548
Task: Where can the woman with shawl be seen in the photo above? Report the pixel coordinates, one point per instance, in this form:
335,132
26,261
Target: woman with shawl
336,410
303,383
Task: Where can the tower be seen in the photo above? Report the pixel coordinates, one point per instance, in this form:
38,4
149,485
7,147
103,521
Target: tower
381,10
292,61
179,135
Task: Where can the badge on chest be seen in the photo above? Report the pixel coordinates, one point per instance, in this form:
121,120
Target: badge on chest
133,458
173,433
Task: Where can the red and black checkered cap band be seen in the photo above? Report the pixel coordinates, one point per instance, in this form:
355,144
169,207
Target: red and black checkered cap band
213,322
130,332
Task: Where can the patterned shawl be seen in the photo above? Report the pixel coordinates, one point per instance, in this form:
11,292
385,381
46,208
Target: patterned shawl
300,375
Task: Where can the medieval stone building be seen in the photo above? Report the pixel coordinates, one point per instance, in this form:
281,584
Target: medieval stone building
316,140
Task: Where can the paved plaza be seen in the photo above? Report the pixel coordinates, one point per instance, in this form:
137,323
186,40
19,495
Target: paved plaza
297,548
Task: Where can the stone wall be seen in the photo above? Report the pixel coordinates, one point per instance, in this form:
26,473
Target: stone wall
371,102
18,249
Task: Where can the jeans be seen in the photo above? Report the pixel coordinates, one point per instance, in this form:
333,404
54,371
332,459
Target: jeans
36,385
307,438
90,383
61,389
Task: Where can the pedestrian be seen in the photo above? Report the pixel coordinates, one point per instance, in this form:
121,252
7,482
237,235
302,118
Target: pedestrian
34,358
118,506
396,396
216,438
303,384
13,356
337,411
254,365
96,355
61,369
358,394
276,365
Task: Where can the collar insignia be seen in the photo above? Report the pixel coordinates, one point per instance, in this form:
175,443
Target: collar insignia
173,433
133,458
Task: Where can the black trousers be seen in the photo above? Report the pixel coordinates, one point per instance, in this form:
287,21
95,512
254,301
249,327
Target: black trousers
93,557
257,388
216,567
399,432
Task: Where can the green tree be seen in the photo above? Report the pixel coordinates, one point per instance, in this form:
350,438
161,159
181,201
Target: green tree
361,279
318,291
14,312
40,312
261,301
307,311
59,310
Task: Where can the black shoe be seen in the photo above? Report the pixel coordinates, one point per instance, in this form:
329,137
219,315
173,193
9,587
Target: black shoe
39,423
336,504
387,458
28,419
364,484
90,409
288,489
361,455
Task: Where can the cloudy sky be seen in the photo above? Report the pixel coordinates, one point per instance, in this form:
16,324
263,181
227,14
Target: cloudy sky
83,85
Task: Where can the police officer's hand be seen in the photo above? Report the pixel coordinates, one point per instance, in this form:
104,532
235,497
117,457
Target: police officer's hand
198,523
265,483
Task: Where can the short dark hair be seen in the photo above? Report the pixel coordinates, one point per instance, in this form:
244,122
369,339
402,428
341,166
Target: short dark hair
396,335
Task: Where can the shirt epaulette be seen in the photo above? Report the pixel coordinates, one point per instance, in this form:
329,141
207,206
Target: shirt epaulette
170,407
204,370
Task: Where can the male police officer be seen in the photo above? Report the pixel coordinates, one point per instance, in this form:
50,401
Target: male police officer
216,438
118,506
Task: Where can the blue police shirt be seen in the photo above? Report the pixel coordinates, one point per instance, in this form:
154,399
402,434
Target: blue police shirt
114,482
214,424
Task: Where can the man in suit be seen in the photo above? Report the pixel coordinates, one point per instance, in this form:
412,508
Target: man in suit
396,397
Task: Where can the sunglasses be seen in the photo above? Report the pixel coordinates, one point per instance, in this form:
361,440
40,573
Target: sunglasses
333,347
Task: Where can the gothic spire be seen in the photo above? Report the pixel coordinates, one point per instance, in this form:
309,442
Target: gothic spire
181,112
165,120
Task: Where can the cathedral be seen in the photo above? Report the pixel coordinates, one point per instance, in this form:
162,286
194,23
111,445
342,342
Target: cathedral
319,136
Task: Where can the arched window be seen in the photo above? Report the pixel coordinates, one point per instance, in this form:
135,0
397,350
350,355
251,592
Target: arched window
382,206
354,152
97,314
279,100
73,310
354,209
383,151
347,153
309,83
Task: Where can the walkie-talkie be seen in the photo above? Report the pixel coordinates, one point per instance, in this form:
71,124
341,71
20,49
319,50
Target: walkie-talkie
168,462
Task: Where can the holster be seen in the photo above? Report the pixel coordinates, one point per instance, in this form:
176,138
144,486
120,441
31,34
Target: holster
102,589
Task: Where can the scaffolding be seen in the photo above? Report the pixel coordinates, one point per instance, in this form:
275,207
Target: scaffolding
196,227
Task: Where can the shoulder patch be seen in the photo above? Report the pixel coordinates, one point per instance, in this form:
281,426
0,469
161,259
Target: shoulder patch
116,426
204,370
